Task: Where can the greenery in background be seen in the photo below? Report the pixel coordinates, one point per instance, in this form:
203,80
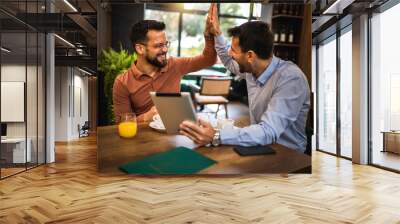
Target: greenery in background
231,9
193,27
194,24
112,63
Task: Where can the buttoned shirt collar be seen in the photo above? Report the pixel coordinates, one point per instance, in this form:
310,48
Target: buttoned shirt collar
263,78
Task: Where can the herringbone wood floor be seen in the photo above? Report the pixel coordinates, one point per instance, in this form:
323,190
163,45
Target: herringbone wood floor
71,191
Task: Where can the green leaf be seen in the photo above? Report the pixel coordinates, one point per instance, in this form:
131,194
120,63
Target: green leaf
112,64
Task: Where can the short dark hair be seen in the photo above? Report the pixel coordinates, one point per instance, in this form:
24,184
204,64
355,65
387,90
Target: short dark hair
255,36
139,30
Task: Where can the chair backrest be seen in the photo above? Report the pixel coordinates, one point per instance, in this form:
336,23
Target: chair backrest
86,125
215,86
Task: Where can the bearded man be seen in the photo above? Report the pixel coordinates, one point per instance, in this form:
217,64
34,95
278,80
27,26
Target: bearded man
153,71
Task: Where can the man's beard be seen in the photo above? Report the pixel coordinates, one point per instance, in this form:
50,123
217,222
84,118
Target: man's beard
244,68
157,63
241,68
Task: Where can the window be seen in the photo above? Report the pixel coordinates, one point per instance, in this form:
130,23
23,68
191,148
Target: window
196,6
327,96
172,27
385,84
192,42
346,94
192,17
394,102
227,23
22,65
314,90
257,10
235,9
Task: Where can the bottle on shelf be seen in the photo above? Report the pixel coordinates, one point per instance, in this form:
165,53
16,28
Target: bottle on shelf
291,35
276,36
284,9
276,9
282,34
290,9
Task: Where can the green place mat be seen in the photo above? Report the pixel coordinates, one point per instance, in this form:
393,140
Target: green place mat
179,160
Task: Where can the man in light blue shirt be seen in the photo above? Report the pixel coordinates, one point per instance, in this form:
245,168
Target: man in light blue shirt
278,91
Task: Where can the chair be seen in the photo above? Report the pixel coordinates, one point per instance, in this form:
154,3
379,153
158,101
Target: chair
84,130
212,91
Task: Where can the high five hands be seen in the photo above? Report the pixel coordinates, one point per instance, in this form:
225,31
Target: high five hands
212,23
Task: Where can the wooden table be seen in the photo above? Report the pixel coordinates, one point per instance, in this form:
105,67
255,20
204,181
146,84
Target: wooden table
113,151
391,141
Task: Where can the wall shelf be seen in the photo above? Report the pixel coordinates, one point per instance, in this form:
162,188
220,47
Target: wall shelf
286,16
286,45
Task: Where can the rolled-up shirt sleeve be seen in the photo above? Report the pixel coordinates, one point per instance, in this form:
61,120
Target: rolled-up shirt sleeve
282,111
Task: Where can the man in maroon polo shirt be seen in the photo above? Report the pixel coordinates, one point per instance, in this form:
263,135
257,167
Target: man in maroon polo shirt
153,71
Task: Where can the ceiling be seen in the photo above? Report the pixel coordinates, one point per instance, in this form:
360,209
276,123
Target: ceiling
73,20
337,14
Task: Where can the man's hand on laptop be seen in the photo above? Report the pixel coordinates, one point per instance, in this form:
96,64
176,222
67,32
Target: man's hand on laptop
201,133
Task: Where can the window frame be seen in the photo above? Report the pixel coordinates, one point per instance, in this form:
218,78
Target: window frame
333,37
25,30
378,10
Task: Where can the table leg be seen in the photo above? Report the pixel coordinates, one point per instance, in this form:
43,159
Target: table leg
384,143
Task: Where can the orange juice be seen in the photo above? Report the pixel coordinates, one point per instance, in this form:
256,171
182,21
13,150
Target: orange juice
127,129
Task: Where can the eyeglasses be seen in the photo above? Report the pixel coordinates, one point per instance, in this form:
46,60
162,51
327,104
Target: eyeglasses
159,46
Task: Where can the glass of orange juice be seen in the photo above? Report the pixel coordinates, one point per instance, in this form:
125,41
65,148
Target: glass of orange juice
127,127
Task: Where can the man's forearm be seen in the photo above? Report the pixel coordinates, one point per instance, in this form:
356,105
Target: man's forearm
209,50
256,134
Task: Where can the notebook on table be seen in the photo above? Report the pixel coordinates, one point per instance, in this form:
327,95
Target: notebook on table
180,160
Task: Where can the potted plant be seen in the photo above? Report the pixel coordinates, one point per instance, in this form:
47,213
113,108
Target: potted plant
112,63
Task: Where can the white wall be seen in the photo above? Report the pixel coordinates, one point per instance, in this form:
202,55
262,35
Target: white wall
71,102
34,125
80,111
13,73
61,103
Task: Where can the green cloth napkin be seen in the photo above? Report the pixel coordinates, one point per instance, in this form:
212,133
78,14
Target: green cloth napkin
180,160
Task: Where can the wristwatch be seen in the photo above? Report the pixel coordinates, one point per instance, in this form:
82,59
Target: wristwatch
216,139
